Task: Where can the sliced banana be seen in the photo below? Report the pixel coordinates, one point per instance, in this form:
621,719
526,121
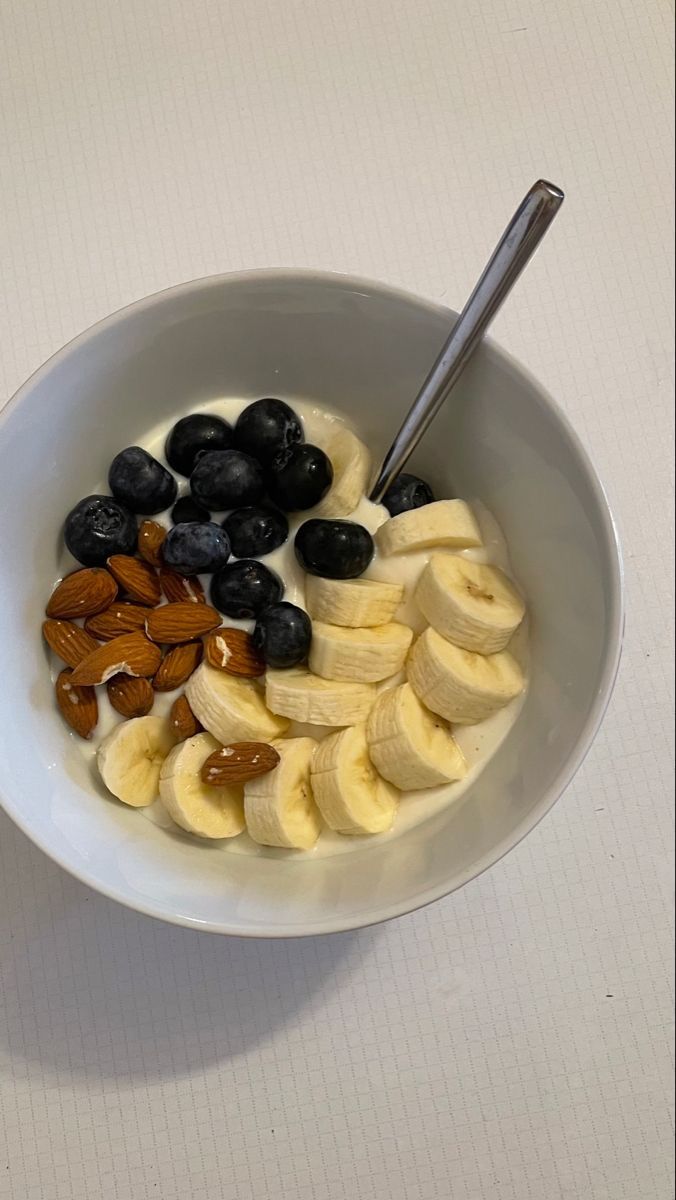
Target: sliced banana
278,807
350,794
473,605
408,745
208,812
355,603
231,707
443,523
351,462
130,758
460,685
301,696
365,655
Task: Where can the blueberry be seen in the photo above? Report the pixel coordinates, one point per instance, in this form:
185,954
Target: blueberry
256,531
407,492
334,549
140,482
196,546
227,479
283,634
193,436
187,509
244,588
299,477
266,427
97,527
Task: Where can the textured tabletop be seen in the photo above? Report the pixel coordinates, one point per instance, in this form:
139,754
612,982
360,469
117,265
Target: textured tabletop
513,1041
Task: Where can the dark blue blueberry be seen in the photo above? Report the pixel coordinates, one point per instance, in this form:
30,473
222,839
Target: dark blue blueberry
244,588
193,436
334,549
187,509
140,482
407,492
266,427
227,479
256,531
283,634
194,547
299,477
97,527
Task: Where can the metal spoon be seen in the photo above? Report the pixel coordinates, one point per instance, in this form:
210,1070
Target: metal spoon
521,237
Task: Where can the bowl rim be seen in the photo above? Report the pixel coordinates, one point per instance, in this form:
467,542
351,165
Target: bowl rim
616,617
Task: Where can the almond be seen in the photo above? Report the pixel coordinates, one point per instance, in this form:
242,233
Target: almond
68,641
130,696
118,619
172,623
151,537
77,705
232,650
138,578
131,654
238,763
184,723
82,593
178,588
177,666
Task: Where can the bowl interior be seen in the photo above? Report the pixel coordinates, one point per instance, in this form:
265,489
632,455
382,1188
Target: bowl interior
362,349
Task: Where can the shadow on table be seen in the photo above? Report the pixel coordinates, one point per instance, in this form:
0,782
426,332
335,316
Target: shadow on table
89,987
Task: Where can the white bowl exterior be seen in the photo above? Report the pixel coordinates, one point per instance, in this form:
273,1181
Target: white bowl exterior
361,348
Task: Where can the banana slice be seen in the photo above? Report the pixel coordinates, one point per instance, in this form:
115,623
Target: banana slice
130,758
304,697
208,812
231,707
350,793
410,747
278,807
355,603
459,685
351,464
366,655
473,605
443,523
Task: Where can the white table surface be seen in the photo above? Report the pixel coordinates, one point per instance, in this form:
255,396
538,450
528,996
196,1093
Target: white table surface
512,1041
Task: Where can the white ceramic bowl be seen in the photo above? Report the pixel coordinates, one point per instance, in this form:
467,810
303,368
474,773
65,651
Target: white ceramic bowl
361,348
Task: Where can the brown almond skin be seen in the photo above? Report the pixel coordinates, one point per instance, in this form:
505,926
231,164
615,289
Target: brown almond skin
78,705
173,623
178,588
239,656
68,641
130,654
82,593
177,666
151,537
184,723
130,696
137,578
238,762
118,619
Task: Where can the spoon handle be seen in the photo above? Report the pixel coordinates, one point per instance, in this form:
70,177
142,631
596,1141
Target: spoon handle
521,237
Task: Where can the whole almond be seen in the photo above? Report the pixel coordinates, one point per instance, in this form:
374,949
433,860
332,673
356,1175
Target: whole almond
238,763
184,723
68,641
130,654
130,696
77,705
177,666
116,620
137,578
82,593
232,650
178,588
172,623
151,537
